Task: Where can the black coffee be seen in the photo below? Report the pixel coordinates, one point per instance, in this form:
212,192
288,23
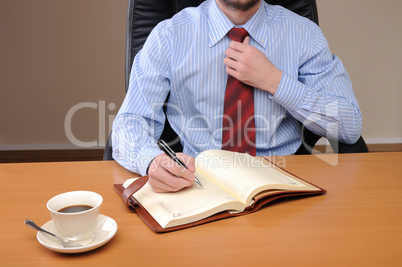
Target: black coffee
75,208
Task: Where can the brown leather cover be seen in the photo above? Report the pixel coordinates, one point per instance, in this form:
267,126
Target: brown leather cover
134,205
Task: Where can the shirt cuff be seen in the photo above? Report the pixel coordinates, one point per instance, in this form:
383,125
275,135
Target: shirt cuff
289,93
145,158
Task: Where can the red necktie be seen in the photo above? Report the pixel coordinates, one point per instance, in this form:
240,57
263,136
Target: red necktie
238,133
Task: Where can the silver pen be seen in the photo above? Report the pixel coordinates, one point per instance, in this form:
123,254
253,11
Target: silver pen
168,151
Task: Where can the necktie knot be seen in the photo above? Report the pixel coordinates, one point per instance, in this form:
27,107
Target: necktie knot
237,34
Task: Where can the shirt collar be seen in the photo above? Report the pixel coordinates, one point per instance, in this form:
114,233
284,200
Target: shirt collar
219,24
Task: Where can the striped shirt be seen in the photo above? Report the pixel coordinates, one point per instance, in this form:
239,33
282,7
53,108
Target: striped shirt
184,56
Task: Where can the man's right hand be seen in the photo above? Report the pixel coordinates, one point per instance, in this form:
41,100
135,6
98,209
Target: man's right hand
165,175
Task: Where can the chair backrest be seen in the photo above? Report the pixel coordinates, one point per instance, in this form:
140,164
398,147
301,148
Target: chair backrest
143,15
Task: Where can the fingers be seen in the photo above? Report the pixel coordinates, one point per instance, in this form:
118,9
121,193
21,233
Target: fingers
234,62
166,182
238,46
246,40
188,161
165,175
231,61
233,55
236,55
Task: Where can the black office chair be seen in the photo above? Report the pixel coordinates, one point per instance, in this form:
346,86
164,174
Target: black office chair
142,17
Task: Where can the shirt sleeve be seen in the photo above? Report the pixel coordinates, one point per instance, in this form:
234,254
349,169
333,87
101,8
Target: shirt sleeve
322,97
140,120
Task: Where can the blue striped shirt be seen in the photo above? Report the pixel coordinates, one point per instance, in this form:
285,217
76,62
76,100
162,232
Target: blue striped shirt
184,56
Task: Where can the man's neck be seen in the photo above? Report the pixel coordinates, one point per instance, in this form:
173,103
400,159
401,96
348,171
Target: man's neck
238,17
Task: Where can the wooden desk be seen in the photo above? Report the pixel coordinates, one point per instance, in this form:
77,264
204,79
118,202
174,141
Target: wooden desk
357,223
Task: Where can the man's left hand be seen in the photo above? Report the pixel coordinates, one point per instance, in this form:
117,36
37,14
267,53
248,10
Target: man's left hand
250,66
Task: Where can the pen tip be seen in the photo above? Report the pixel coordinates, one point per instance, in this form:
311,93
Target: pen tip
198,182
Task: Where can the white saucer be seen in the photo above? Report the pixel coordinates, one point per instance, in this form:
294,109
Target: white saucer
105,231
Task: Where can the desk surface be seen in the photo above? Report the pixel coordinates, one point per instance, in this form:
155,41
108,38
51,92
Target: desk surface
359,220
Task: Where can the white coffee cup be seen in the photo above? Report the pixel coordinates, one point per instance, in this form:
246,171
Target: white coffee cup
79,225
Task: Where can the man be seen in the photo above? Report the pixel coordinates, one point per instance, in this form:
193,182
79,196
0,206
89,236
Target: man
285,59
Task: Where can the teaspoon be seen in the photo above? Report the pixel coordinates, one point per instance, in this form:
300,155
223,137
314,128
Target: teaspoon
65,244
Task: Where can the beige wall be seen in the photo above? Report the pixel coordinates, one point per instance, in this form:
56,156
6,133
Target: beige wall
57,56
367,36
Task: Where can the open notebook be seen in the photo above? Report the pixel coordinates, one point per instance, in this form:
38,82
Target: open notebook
233,184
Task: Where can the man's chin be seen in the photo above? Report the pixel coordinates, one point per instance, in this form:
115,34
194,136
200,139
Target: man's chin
240,5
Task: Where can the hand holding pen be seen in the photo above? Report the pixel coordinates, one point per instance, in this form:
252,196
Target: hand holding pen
168,151
167,176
